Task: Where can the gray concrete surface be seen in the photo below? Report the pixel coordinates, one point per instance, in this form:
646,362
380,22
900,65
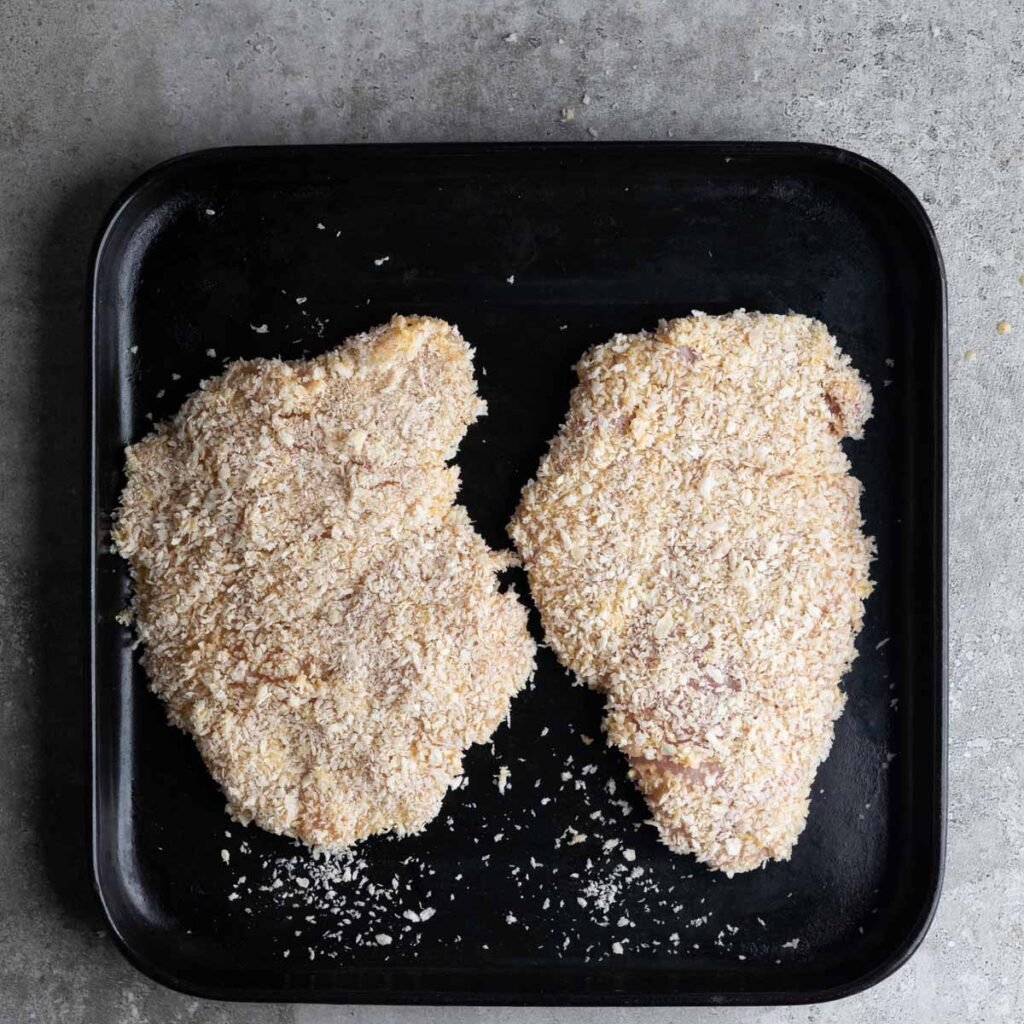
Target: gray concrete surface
91,93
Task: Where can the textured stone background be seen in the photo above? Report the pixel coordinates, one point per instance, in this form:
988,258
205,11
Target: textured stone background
92,93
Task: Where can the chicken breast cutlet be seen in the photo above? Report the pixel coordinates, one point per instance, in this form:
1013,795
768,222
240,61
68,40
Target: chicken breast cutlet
693,544
314,607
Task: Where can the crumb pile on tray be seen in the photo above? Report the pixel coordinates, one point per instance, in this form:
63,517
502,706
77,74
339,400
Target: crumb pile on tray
693,543
314,607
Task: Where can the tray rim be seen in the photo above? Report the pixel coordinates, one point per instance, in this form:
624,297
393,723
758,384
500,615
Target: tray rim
893,959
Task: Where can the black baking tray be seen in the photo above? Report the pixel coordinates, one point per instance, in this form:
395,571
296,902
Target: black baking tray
536,252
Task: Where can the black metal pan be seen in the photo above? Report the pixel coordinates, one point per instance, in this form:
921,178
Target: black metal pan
536,252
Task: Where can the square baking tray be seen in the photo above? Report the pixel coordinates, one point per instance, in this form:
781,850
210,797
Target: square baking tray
553,891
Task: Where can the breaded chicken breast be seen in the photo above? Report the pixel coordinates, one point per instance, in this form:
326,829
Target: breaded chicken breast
313,606
693,543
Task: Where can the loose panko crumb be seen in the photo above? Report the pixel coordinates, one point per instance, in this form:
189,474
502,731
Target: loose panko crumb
693,543
314,607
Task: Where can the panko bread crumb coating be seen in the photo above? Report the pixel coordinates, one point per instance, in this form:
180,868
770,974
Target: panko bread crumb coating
314,608
693,543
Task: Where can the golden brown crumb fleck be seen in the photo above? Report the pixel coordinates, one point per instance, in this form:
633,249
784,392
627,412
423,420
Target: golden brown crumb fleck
970,355
315,608
1004,327
693,543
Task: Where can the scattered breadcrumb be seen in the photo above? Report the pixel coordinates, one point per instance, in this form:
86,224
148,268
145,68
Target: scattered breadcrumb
381,261
353,895
314,607
693,543
1004,327
567,115
259,328
970,355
